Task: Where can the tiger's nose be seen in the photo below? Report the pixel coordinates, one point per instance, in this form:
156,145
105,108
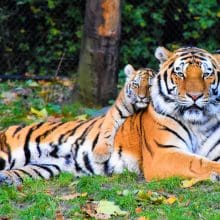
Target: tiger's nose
194,96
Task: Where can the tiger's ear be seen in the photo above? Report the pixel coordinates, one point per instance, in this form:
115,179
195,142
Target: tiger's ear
217,57
129,70
162,54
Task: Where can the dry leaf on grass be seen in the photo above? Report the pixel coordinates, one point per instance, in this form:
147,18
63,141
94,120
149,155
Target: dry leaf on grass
189,183
138,210
156,197
69,197
19,187
90,209
8,97
142,218
39,113
82,117
110,208
54,119
103,209
170,200
4,218
73,196
59,215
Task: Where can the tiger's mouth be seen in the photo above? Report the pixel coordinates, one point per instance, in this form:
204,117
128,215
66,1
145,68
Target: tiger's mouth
194,108
141,104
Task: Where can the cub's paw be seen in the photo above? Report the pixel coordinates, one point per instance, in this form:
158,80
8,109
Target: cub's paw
102,152
215,177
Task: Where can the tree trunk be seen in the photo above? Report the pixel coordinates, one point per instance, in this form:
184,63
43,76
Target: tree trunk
98,64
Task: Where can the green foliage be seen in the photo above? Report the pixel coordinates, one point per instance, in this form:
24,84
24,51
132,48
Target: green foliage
148,24
36,34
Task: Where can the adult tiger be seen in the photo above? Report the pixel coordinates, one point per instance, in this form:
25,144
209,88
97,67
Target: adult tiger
161,141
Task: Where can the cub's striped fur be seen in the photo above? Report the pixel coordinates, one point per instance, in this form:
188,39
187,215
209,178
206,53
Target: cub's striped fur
133,96
162,140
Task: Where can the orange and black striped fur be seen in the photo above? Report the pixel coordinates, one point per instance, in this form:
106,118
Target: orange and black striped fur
162,140
133,96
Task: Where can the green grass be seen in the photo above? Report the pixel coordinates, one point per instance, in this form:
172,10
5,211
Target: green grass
41,199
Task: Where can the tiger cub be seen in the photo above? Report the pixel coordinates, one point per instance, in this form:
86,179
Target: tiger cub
133,96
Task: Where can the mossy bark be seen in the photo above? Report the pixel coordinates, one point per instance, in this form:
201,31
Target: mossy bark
98,64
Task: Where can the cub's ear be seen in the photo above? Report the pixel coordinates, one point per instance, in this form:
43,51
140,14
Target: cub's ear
129,70
162,54
217,57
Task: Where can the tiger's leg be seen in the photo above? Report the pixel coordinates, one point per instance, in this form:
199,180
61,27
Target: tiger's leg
104,146
168,162
16,176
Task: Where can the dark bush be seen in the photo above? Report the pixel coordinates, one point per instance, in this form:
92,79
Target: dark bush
37,34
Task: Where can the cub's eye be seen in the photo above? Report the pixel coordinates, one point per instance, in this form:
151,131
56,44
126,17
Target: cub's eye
180,74
135,85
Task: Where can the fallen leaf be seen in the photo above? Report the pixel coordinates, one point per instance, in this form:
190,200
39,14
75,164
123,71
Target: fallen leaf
9,97
40,113
44,83
59,215
170,200
69,197
32,83
156,198
49,192
109,208
138,210
82,117
84,194
187,203
143,218
124,192
19,188
142,195
54,119
90,209
22,91
188,183
66,82
4,218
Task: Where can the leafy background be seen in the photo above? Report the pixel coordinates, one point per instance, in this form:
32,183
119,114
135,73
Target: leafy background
36,34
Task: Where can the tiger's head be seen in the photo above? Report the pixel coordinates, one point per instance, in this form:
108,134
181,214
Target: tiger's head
137,85
187,85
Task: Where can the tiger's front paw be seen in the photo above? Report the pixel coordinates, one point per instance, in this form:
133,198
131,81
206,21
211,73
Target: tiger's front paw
102,152
5,179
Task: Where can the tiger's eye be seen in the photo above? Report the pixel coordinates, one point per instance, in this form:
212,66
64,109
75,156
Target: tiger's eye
135,85
180,74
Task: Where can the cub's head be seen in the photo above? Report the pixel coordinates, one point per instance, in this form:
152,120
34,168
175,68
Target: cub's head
137,85
187,85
